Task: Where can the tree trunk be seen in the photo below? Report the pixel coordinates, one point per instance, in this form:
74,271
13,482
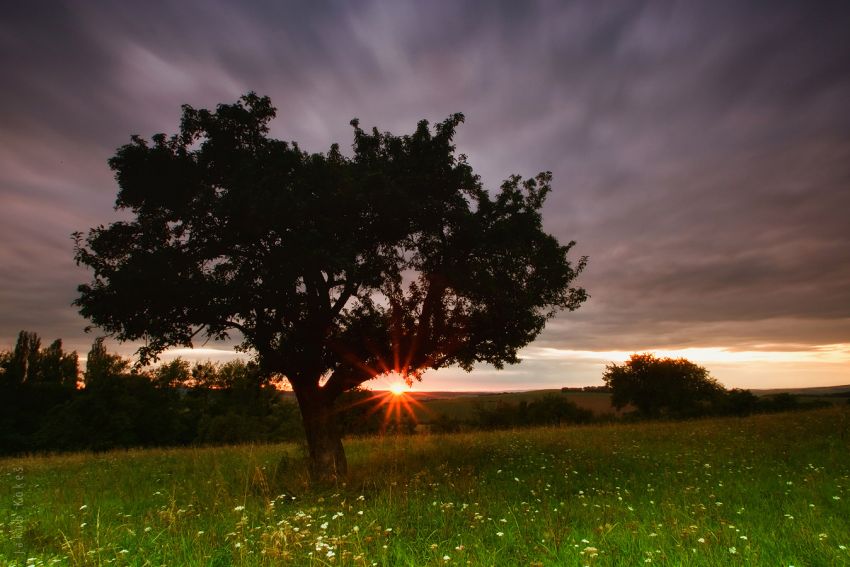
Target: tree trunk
324,439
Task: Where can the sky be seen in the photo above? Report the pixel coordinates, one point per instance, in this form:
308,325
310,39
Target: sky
700,152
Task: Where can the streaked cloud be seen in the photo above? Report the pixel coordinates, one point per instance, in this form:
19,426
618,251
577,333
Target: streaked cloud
700,151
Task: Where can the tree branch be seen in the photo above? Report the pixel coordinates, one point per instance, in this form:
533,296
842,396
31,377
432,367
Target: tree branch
342,381
346,294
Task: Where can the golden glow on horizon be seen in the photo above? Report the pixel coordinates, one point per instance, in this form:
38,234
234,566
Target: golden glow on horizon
831,354
756,366
395,405
398,388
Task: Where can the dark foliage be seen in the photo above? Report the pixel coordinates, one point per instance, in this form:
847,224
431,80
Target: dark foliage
551,409
28,363
329,268
662,386
123,407
597,389
177,404
680,389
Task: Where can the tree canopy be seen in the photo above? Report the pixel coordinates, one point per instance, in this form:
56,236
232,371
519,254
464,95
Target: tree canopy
661,386
331,269
29,363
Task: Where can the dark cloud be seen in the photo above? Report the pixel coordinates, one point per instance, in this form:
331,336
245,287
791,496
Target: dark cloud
701,151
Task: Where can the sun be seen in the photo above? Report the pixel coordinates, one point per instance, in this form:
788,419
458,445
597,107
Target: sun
398,389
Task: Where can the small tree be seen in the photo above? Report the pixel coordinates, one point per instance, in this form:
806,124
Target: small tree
30,364
57,367
172,374
102,367
661,386
331,269
22,365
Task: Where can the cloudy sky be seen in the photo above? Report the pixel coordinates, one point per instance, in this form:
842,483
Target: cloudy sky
700,151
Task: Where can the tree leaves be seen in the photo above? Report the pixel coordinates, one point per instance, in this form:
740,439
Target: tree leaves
393,258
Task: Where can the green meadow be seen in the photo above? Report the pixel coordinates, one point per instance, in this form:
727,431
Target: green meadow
763,490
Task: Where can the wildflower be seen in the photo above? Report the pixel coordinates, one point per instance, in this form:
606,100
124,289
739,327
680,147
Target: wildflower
330,553
201,532
355,529
124,552
446,557
84,524
836,498
239,508
84,506
701,540
500,534
324,526
732,550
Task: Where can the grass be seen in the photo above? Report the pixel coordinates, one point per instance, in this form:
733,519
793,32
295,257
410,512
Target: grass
765,490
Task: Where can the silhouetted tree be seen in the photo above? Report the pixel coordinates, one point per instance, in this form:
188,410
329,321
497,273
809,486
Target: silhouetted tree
553,409
172,374
103,367
331,269
550,409
33,383
783,401
23,361
57,367
28,363
739,402
661,386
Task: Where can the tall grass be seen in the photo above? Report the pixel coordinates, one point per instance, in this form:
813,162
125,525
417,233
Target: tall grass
765,490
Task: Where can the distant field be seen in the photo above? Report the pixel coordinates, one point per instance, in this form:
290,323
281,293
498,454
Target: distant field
764,490
811,391
464,406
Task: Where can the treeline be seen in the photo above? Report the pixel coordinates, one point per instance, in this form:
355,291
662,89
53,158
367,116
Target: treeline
549,409
554,409
659,388
49,403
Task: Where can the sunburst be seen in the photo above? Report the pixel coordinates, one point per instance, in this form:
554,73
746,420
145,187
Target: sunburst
395,403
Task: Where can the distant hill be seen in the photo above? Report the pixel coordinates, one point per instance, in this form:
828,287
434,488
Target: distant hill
813,391
462,405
